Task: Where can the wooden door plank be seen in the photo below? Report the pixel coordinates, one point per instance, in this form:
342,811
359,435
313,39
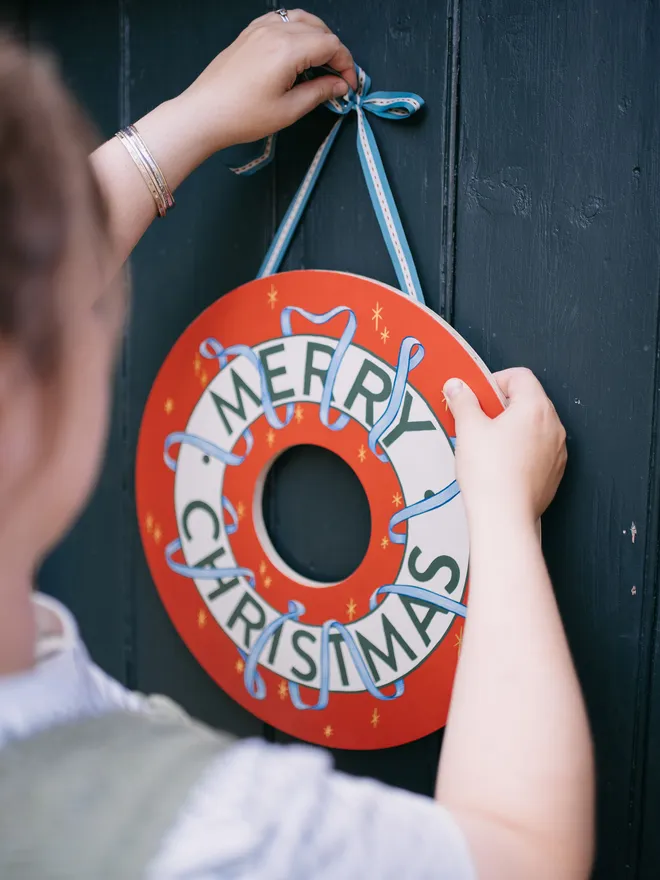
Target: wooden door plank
557,268
401,48
644,842
212,242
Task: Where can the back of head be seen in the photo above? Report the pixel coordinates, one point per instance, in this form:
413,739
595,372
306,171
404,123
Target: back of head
57,345
45,181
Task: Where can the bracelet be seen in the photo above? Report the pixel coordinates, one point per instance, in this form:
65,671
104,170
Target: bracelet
148,168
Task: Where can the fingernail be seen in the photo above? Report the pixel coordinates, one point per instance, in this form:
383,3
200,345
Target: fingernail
452,387
340,88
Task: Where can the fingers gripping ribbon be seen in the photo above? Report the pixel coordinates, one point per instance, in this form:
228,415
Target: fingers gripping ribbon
388,105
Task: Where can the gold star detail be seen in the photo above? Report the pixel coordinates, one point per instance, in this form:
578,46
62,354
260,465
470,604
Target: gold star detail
397,500
157,534
385,334
385,543
272,296
262,568
197,364
204,379
376,314
149,523
283,690
375,718
201,618
300,415
351,608
169,405
270,438
362,453
240,510
328,731
459,641
267,582
239,666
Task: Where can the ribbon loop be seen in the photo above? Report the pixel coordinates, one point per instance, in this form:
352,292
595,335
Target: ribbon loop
387,105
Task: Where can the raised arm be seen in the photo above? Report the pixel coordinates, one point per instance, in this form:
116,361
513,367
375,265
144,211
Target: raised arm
243,95
516,768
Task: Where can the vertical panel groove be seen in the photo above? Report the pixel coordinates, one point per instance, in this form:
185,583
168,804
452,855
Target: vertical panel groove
268,731
447,268
644,691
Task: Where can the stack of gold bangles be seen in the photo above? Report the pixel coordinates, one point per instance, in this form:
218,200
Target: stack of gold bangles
148,168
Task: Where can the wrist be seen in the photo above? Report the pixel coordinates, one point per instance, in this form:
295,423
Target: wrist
211,127
174,135
500,518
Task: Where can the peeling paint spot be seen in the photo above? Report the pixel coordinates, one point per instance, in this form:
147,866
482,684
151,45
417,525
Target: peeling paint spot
402,31
633,532
505,192
584,215
633,592
624,105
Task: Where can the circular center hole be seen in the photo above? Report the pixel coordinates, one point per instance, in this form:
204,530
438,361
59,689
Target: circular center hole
316,514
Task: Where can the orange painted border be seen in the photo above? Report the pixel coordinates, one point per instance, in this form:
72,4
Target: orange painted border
250,315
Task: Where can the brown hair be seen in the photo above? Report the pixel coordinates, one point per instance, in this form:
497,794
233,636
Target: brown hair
45,179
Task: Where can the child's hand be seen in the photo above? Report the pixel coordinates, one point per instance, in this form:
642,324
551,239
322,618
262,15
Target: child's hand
514,463
248,91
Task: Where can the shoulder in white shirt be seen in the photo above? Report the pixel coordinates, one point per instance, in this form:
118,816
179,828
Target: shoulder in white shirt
259,811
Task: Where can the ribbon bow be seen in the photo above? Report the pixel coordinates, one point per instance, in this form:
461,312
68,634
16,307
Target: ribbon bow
388,105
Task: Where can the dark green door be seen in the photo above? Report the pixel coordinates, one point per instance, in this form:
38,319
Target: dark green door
530,191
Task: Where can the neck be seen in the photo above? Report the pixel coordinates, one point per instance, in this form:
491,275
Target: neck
17,622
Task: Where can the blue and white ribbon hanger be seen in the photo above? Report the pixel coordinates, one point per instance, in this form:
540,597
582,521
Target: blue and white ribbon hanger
388,105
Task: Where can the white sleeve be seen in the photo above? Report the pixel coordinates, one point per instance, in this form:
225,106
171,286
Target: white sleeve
281,813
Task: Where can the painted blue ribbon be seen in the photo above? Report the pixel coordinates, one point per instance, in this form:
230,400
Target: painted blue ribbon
360,665
407,361
256,687
387,105
205,446
211,348
444,603
335,361
433,502
209,573
254,684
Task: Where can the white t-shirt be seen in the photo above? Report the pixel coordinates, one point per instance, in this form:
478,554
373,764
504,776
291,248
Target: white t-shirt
260,811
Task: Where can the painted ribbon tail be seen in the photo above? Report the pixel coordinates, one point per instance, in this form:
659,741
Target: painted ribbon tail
335,361
406,362
360,666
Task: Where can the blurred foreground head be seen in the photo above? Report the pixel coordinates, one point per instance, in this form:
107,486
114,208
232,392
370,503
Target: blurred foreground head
60,312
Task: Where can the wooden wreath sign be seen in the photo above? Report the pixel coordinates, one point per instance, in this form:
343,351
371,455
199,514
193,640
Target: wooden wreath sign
356,367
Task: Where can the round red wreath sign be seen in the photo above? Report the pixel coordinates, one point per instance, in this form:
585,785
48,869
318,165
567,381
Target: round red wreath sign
349,364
